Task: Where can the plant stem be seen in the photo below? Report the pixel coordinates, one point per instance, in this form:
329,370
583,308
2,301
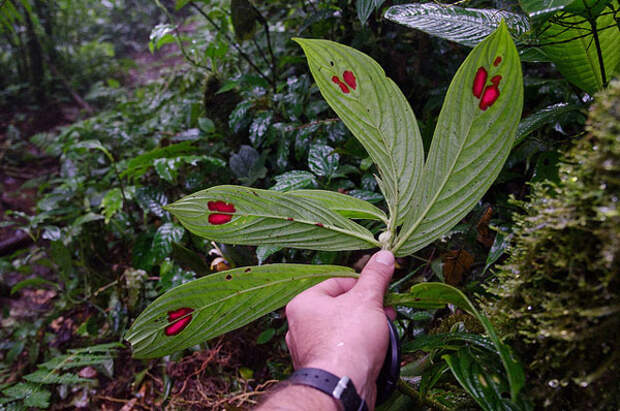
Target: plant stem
599,52
235,45
274,66
178,38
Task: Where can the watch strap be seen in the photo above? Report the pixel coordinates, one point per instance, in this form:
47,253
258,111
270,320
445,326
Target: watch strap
341,389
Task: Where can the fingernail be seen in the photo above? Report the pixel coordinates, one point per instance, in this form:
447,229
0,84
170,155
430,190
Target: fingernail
385,257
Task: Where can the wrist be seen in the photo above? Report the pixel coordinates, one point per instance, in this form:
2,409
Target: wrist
358,371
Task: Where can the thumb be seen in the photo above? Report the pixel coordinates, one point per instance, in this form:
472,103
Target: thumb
376,276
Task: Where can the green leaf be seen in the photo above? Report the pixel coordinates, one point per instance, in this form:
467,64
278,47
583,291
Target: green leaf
485,388
470,145
168,168
377,113
264,251
436,295
93,144
165,236
451,340
139,165
266,335
36,282
575,55
268,218
51,377
550,114
541,9
465,26
293,180
206,125
248,165
345,205
160,35
112,203
33,395
323,160
223,302
500,244
151,200
366,7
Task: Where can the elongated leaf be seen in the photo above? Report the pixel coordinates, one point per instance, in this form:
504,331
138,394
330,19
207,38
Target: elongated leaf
439,341
436,295
538,119
462,25
375,111
220,303
484,388
249,216
541,9
471,142
345,205
576,56
366,7
293,180
51,377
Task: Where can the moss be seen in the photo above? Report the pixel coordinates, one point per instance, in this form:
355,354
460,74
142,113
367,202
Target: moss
558,296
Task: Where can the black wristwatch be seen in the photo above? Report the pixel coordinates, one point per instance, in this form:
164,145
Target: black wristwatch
342,389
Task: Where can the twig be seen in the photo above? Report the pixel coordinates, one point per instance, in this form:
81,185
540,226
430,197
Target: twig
599,52
567,40
234,44
178,38
274,66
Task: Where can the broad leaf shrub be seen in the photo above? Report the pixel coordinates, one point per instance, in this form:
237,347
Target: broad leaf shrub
557,296
475,132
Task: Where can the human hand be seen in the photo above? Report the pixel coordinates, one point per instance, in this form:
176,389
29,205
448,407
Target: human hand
339,325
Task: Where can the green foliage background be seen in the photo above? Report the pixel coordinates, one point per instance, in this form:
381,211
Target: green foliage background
242,109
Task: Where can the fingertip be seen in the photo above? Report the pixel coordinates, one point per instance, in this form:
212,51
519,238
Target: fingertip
385,257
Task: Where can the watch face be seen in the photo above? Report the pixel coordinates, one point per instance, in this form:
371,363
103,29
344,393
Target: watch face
390,372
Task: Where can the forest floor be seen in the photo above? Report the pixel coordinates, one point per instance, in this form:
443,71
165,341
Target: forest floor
206,379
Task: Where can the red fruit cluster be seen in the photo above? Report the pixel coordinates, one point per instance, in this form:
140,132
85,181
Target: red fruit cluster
179,320
349,79
216,218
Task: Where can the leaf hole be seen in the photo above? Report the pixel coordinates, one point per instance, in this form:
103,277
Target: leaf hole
228,277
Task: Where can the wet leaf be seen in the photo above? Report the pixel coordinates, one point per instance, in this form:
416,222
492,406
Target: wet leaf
466,26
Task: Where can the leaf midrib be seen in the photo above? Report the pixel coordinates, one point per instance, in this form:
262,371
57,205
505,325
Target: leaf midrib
355,234
247,290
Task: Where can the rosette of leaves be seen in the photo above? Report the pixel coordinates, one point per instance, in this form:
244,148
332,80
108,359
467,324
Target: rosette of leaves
424,200
558,294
